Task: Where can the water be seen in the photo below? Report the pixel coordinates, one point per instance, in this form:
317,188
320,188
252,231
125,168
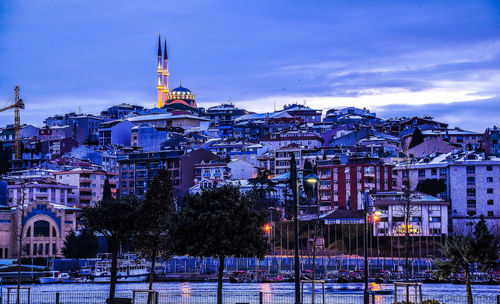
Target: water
201,287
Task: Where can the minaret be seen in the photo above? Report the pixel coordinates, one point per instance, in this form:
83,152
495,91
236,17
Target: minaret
165,71
159,71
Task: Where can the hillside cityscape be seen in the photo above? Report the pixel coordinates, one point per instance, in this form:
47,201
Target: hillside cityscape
178,191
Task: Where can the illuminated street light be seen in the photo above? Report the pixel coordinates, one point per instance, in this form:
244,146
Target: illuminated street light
311,179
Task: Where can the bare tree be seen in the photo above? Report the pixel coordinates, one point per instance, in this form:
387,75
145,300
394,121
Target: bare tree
407,210
20,205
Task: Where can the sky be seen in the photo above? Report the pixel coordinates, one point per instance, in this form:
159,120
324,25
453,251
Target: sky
396,58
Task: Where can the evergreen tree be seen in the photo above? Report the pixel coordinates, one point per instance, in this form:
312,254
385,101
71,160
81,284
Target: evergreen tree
155,215
417,138
106,191
80,245
219,222
115,219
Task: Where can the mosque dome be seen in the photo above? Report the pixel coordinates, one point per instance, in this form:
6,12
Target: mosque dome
181,95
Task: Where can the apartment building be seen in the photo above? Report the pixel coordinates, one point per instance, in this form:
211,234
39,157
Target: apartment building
472,184
342,181
89,184
428,215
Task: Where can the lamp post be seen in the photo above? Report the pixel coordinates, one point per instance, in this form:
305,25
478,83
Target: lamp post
313,180
294,187
376,217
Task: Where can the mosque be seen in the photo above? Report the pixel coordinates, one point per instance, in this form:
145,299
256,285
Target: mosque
180,98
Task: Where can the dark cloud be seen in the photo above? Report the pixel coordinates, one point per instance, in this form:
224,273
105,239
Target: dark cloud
474,115
102,53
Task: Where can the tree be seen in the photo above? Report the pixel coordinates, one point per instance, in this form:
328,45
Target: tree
262,185
80,245
463,251
219,222
106,190
417,138
155,215
431,186
115,219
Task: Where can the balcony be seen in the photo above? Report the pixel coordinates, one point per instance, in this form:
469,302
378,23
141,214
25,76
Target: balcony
85,180
85,198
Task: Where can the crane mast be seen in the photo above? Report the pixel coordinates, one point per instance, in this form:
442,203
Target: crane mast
17,106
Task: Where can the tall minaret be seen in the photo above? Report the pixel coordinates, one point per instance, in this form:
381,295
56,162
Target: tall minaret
159,71
165,71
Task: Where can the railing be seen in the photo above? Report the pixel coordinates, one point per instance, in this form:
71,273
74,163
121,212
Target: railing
187,297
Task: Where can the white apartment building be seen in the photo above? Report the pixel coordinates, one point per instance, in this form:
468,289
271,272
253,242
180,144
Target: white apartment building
428,214
89,184
473,185
41,190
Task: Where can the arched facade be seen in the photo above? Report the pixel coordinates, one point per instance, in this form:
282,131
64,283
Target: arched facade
41,237
44,229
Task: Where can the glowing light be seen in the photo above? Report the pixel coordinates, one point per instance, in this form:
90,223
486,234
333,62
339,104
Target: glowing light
267,228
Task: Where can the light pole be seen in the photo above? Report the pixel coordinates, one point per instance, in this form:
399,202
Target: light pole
313,180
294,186
376,217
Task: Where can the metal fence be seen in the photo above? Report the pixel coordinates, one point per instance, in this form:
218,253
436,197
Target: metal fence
231,298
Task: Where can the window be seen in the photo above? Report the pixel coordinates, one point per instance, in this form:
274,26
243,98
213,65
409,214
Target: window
490,202
489,190
34,249
41,229
471,180
491,213
489,168
489,179
471,203
442,171
435,208
433,171
421,172
398,219
54,251
416,219
435,219
471,192
435,230
471,169
471,213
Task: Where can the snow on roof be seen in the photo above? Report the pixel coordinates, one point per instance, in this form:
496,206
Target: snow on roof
163,116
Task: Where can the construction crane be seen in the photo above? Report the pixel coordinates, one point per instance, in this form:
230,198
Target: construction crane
17,106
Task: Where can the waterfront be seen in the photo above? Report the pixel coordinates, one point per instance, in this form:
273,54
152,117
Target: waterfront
205,293
201,287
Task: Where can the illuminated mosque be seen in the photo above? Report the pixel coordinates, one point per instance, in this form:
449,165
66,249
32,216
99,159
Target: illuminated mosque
180,98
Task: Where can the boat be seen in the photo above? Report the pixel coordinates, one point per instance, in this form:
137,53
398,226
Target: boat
129,269
56,277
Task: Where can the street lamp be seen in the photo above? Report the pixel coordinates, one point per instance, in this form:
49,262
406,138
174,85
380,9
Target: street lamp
312,179
375,217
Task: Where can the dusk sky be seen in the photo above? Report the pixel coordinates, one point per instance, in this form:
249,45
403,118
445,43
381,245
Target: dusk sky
397,58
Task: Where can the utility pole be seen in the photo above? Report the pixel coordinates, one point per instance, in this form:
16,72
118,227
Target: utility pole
366,293
294,186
